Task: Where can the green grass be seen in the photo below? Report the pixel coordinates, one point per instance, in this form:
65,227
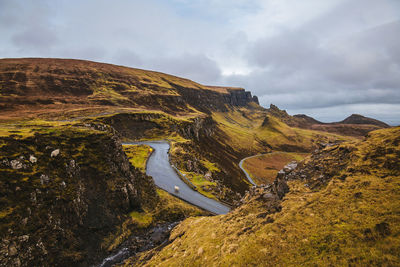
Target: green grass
169,209
142,219
203,186
6,212
243,131
212,167
138,155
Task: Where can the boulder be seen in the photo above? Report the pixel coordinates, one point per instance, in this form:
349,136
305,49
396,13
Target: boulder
16,164
290,166
55,153
32,159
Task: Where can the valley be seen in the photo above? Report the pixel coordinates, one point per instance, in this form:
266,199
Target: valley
99,160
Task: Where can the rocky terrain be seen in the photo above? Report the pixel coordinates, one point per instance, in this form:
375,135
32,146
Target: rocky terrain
65,188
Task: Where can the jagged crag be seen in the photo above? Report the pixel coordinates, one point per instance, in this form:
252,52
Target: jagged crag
68,190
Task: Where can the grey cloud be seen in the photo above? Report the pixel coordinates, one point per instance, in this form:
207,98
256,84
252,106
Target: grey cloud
27,25
287,50
348,54
35,38
197,67
299,69
127,58
95,53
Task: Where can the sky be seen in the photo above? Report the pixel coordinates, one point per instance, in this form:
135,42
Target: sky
327,59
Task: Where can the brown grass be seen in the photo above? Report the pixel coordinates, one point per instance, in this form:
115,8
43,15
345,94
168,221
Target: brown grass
264,168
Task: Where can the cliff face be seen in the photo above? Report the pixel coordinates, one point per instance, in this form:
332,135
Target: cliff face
62,193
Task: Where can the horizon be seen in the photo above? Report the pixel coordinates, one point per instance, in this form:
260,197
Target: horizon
327,60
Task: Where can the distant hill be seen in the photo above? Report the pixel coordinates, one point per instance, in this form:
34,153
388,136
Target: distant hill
354,125
359,119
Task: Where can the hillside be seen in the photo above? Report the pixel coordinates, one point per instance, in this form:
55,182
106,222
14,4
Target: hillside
339,207
72,194
209,126
64,87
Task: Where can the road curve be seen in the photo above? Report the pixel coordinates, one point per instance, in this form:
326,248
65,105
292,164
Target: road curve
165,177
245,172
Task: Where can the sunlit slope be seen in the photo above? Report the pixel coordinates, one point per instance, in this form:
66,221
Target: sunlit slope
345,212
51,87
244,129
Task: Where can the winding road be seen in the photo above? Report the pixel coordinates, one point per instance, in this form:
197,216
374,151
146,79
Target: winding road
165,177
245,172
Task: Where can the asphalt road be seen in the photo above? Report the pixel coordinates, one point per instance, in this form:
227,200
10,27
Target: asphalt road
165,177
245,172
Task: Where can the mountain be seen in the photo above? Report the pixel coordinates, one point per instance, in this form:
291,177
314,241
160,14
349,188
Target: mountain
359,119
354,125
73,191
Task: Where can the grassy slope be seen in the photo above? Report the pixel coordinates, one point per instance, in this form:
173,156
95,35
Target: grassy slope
137,155
56,88
264,168
351,221
242,127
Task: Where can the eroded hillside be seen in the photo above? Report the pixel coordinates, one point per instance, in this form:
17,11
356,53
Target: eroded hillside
341,206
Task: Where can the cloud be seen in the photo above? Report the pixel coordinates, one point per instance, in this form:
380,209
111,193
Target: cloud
301,55
196,67
304,68
35,38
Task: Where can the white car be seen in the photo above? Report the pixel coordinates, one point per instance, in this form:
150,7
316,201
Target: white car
176,189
